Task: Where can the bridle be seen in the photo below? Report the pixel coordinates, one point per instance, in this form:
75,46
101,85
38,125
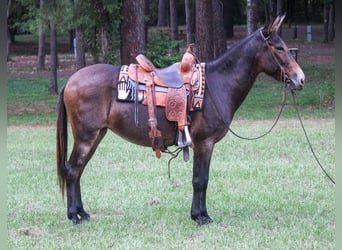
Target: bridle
285,79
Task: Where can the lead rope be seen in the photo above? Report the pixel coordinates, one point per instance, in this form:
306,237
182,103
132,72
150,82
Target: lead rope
307,138
272,127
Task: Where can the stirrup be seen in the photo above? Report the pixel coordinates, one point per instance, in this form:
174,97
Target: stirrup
184,138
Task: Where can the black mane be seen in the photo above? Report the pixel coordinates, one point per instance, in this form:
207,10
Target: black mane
229,59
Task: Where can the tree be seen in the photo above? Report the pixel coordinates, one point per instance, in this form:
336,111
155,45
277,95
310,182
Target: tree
9,3
53,59
252,16
80,43
329,21
80,48
133,35
220,43
41,38
104,24
162,13
174,23
228,17
331,26
280,11
190,21
204,30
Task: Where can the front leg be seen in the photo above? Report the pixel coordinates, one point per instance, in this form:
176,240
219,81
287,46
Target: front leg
201,164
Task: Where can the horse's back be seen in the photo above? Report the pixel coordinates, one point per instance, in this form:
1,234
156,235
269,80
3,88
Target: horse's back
88,94
92,76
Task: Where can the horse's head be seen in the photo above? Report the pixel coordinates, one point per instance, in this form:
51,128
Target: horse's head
277,60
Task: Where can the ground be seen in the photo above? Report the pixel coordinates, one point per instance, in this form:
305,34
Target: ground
23,56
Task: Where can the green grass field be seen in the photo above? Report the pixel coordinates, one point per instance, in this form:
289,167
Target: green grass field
29,102
264,194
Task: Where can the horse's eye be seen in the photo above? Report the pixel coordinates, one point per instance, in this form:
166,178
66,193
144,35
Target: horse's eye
280,49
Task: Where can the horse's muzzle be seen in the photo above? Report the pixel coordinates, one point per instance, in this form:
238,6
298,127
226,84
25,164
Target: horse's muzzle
295,81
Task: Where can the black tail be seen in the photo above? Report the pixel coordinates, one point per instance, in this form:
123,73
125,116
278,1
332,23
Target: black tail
62,141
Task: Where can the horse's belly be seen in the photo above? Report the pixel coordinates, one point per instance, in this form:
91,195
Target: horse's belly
122,122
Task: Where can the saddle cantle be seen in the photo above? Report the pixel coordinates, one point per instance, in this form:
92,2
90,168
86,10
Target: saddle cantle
179,88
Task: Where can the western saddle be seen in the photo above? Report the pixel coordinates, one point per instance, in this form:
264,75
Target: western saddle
179,88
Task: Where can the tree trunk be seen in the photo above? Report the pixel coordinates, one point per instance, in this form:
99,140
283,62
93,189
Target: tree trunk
162,13
190,21
331,26
41,39
9,39
326,22
80,49
104,30
133,37
174,23
272,8
220,43
280,11
104,45
41,50
204,30
228,15
252,16
53,59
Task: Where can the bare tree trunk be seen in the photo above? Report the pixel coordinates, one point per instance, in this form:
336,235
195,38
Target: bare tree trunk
190,21
41,50
280,11
9,40
331,27
174,23
53,59
326,22
104,45
162,13
204,30
252,16
132,30
104,30
228,15
220,43
80,49
272,9
41,39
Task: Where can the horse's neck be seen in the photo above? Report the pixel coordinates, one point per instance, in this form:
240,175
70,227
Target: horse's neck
238,65
232,76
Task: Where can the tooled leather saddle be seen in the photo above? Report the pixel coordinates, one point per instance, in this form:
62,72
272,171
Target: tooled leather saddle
179,88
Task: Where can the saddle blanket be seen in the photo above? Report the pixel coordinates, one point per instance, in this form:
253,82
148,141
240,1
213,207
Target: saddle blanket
129,90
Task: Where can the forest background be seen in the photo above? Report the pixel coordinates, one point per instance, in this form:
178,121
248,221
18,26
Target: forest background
115,31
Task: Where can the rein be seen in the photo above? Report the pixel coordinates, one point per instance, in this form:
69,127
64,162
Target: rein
268,131
285,82
307,138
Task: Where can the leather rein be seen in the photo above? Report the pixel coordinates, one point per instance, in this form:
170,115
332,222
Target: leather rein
286,83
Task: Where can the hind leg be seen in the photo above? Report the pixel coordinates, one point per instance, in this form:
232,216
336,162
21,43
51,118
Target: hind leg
82,151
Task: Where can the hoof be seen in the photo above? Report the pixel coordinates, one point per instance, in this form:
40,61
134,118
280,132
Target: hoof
203,220
78,219
85,216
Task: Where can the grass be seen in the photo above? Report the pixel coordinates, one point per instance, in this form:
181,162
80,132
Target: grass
29,102
264,194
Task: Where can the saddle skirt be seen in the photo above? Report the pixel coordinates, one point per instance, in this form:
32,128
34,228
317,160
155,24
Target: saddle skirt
178,88
129,89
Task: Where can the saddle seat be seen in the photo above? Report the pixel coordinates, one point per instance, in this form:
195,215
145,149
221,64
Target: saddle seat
176,80
173,76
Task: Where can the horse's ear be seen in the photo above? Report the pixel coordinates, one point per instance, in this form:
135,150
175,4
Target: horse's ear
274,26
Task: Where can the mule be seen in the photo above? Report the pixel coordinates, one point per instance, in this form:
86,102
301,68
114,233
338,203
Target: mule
88,101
